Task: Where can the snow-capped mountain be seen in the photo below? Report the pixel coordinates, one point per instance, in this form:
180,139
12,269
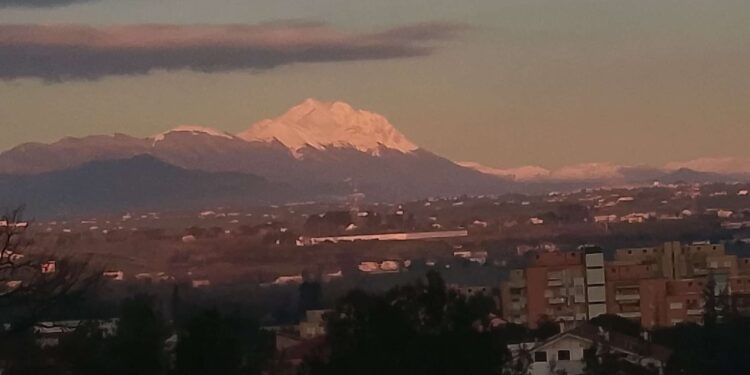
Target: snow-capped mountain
587,171
325,147
320,125
193,130
576,172
316,149
525,173
610,174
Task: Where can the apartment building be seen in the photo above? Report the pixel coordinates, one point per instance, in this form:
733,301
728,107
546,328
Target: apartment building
656,286
559,286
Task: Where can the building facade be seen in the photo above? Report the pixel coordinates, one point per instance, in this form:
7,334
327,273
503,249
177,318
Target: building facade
655,286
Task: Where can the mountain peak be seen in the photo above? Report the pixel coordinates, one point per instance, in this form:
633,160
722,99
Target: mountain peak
193,129
321,125
315,104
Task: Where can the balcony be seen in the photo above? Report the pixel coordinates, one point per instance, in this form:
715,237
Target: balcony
554,283
517,306
556,300
694,312
630,315
520,299
630,286
517,284
628,297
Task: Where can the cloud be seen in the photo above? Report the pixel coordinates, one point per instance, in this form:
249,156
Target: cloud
38,3
70,52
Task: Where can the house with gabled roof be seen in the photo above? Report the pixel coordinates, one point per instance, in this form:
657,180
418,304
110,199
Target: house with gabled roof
564,352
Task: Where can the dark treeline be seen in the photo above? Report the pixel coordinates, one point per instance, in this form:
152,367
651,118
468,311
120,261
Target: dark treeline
145,343
418,328
421,328
426,328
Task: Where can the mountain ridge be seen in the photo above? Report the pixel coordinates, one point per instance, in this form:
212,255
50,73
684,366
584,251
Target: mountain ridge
363,153
140,182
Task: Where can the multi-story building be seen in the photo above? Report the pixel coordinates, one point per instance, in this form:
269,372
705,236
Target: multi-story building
656,286
514,297
558,286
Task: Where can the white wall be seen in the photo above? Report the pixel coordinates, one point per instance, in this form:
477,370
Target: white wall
572,367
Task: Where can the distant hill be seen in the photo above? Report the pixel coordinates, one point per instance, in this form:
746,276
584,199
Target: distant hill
141,182
314,151
329,146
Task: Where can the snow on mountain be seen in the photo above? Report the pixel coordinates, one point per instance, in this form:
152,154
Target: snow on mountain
587,171
322,125
577,172
525,173
193,129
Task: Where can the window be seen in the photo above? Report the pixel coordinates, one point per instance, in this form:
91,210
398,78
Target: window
563,355
540,356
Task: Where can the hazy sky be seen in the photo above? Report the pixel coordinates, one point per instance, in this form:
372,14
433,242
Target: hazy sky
502,82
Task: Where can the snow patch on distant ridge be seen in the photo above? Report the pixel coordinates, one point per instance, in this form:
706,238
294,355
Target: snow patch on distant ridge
194,130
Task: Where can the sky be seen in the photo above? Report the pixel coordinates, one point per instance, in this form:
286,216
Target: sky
501,82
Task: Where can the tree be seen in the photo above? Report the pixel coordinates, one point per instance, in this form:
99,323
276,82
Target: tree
33,286
138,346
546,328
310,296
710,315
616,323
86,351
36,284
213,344
419,328
207,346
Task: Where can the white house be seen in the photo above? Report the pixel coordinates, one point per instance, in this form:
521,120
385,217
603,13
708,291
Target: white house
564,353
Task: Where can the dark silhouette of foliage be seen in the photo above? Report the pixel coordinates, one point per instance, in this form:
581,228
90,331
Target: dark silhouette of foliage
310,296
208,345
412,329
138,346
213,344
546,328
616,323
